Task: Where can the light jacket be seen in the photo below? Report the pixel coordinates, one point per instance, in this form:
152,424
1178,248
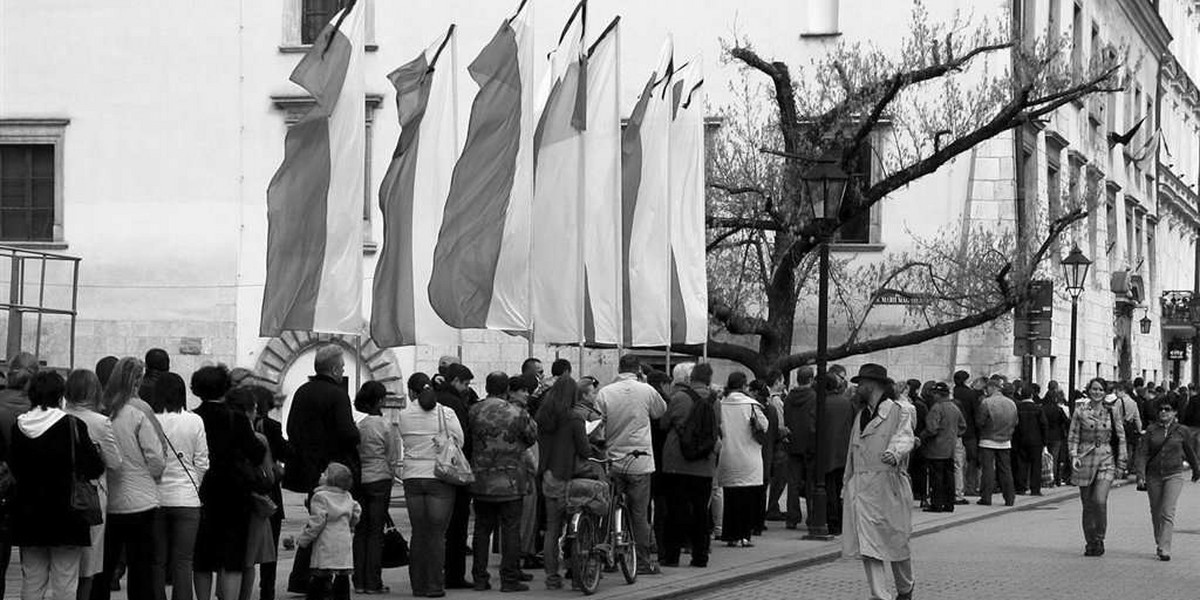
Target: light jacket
943,426
628,405
133,486
378,449
332,516
997,419
740,463
187,459
418,427
877,497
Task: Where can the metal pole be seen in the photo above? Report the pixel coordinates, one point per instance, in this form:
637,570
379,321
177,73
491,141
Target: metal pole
1071,367
15,316
820,526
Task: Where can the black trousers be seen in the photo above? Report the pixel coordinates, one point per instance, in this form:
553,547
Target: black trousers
917,470
134,533
299,578
941,483
456,538
1028,476
740,512
833,500
503,518
267,571
996,465
687,524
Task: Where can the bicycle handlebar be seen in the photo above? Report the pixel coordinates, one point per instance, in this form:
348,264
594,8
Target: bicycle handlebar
629,456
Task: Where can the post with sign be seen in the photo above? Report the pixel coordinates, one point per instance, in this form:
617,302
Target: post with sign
1033,326
1177,352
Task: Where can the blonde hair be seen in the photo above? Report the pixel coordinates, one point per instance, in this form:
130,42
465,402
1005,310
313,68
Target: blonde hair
123,384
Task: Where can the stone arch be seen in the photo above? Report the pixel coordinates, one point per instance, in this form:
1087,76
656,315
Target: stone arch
281,353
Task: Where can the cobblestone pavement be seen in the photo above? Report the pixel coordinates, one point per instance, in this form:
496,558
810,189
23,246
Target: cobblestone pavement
1033,553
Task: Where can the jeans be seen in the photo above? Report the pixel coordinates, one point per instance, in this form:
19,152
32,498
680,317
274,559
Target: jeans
1029,469
996,463
797,486
456,538
328,583
134,533
298,579
174,541
503,518
430,503
876,576
5,555
554,492
54,567
960,459
1163,493
368,535
1095,511
941,483
971,471
779,481
687,523
1055,448
636,489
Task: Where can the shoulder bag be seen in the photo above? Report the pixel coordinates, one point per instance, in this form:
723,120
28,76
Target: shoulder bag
85,499
449,464
395,547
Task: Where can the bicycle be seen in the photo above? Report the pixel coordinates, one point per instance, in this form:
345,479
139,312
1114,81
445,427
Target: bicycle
602,541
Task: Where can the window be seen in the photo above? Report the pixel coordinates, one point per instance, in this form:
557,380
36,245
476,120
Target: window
316,14
1110,213
1129,237
1053,190
31,180
303,21
27,192
1077,39
1052,28
858,229
1028,20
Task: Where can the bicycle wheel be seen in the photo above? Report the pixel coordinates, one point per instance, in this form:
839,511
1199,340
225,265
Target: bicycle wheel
627,551
585,565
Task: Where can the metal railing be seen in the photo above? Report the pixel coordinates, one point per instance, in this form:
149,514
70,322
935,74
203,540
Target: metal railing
1176,307
23,261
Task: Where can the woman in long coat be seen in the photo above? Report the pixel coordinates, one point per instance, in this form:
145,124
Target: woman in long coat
1096,442
740,467
878,498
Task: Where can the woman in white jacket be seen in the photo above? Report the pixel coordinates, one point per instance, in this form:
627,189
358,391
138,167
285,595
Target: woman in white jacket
740,467
178,517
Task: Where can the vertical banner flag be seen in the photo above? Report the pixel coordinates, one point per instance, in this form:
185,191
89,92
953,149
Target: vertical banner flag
645,219
412,198
480,274
689,275
556,270
314,201
602,194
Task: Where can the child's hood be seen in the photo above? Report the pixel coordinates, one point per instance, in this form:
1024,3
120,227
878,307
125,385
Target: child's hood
338,501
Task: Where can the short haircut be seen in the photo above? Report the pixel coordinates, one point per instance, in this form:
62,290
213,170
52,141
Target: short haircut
242,400
459,372
629,363
560,366
961,377
805,375
157,359
21,367
702,373
339,476
327,357
656,378
170,394
522,383
682,373
736,381
529,363
773,376
211,382
496,383
264,398
369,397
1170,400
84,389
46,390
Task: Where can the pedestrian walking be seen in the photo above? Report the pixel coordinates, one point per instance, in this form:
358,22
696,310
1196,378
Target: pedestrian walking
1159,463
178,517
997,419
878,492
1096,441
430,500
744,427
332,516
944,427
379,456
50,452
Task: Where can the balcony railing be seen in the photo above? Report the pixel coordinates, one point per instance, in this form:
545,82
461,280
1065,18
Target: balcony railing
1176,308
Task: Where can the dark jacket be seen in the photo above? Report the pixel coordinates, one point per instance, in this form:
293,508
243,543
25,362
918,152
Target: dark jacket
943,426
800,416
561,443
461,405
280,451
1160,452
502,432
839,415
41,465
146,390
13,403
1032,428
967,401
1057,422
233,452
321,430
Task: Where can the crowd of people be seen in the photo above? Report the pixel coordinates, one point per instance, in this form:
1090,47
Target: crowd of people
105,473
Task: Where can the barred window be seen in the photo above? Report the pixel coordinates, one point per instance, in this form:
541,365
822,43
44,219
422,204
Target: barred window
27,191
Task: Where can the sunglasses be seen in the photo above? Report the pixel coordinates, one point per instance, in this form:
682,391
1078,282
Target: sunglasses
1166,409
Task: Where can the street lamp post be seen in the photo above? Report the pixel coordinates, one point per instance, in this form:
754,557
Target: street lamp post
1075,268
824,186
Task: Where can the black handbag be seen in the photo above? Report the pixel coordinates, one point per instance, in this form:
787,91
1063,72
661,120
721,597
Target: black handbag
85,499
395,547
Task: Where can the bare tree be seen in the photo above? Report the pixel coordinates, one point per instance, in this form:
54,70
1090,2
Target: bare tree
951,88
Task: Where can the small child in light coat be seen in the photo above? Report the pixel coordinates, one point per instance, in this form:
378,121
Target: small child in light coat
333,514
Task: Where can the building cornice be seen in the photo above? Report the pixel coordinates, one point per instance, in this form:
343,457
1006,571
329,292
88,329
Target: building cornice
1146,21
1180,82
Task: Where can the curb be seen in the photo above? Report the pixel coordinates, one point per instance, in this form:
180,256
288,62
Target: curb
834,552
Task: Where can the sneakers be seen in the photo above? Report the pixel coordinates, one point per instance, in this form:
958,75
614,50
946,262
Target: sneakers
514,587
650,567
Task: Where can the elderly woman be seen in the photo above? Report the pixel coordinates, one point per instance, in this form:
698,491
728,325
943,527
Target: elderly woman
50,451
1159,464
740,467
1096,442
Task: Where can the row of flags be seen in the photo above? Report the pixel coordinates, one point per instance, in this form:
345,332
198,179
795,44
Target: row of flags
545,217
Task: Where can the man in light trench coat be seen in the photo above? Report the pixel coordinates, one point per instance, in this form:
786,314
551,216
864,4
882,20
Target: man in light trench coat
878,494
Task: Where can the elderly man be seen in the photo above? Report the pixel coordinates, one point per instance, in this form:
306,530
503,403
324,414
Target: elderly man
627,406
878,491
997,419
321,430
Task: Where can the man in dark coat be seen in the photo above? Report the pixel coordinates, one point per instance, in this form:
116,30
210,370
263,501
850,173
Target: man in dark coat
158,363
966,478
14,401
800,414
321,430
1030,439
836,427
454,394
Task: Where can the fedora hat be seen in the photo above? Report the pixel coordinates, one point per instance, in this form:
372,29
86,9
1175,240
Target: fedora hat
872,372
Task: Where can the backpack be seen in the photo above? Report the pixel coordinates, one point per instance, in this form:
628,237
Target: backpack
698,436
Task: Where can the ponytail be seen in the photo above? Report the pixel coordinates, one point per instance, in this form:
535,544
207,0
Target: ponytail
427,399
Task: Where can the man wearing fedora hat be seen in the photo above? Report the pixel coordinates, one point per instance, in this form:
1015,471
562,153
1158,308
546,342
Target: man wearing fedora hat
878,499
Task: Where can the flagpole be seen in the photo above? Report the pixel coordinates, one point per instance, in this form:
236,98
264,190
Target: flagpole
526,106
668,98
457,138
617,206
581,229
